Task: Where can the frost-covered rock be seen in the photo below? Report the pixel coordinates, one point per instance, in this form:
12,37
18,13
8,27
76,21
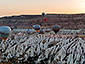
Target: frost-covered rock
45,47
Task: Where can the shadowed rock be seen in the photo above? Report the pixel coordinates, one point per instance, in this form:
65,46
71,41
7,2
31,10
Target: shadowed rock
52,43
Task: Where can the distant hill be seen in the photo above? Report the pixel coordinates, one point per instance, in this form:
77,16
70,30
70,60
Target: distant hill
66,21
20,17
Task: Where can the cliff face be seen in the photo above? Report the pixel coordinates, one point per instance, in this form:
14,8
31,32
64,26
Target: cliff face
67,21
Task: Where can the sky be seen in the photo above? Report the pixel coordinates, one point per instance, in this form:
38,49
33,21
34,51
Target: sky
32,7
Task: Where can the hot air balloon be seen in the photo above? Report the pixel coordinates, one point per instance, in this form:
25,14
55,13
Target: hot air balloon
28,31
55,28
43,14
45,19
5,32
36,27
41,31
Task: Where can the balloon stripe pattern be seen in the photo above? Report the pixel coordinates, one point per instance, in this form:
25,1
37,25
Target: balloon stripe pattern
43,48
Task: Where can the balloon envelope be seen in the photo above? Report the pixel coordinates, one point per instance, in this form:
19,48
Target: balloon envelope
43,14
28,31
4,32
55,28
45,19
41,31
36,27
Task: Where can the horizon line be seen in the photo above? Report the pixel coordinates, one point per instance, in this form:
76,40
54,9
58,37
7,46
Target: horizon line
36,14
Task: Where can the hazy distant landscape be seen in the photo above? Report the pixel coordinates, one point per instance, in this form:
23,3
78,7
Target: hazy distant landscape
65,21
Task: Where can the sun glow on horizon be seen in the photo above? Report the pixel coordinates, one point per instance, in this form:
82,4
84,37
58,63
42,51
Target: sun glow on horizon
31,7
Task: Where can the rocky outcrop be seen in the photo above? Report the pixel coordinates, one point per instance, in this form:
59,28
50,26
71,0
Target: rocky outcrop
44,49
66,21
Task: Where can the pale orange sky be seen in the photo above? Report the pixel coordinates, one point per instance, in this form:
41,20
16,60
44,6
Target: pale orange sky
18,7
